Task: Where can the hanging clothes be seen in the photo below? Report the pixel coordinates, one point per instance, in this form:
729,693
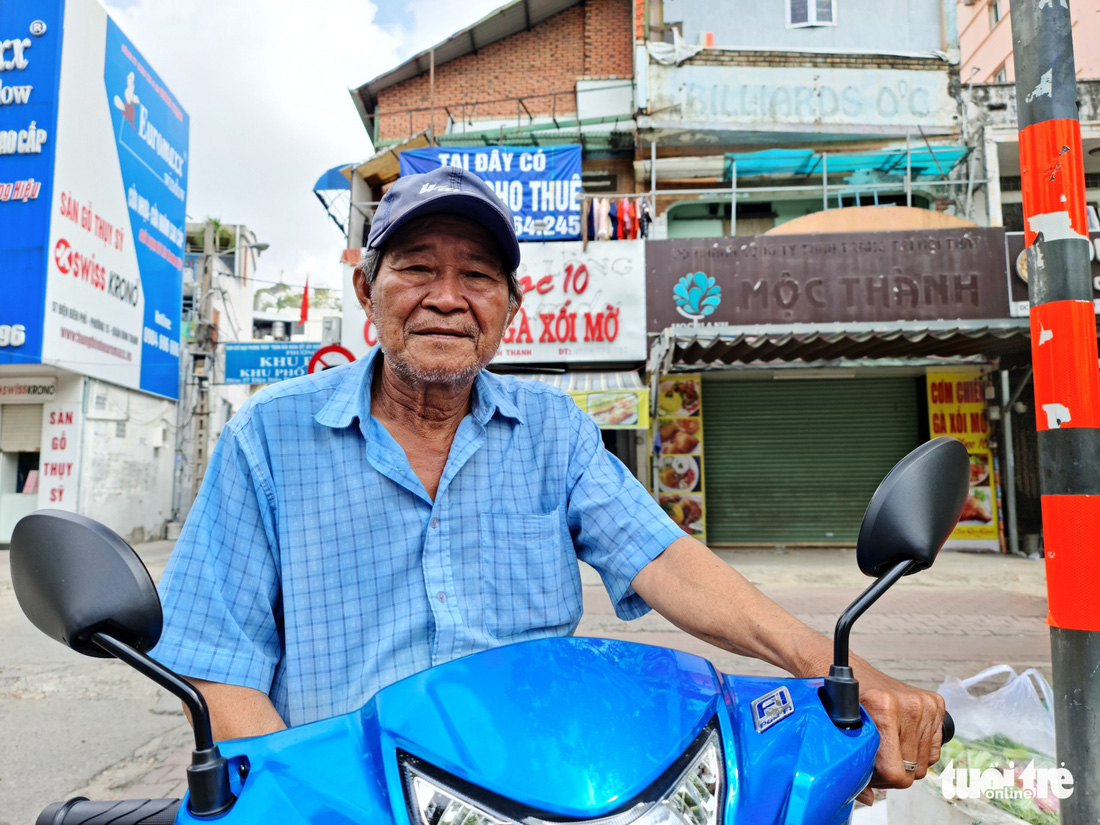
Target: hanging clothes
644,219
603,219
586,216
633,218
624,219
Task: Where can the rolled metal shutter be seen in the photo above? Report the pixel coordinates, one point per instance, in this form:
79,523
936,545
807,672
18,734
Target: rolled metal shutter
21,428
797,461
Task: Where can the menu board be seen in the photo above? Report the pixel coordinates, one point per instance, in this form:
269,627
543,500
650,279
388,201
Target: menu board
678,452
616,409
956,407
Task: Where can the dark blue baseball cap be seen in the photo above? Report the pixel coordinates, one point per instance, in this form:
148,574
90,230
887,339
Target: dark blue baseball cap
447,189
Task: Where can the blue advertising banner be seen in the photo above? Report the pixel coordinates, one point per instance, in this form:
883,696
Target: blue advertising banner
540,185
30,62
267,362
152,136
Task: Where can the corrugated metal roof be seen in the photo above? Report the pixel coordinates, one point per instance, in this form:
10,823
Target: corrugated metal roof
827,342
515,17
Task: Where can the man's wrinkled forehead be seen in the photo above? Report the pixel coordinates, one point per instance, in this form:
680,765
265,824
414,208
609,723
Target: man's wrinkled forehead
423,236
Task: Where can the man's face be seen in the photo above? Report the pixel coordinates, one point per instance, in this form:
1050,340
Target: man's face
440,300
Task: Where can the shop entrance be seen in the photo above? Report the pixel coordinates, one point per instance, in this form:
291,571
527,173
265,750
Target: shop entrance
20,446
796,461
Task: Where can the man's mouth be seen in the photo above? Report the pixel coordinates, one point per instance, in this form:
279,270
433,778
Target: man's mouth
440,332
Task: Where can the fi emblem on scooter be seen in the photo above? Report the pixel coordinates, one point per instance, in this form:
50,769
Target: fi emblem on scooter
770,708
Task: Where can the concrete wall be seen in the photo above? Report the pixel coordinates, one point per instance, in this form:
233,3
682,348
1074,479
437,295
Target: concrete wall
127,460
896,25
592,40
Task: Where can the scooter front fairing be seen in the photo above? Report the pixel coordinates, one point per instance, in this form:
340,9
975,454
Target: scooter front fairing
562,730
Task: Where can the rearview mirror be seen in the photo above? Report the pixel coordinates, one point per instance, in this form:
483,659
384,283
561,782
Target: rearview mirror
915,508
74,577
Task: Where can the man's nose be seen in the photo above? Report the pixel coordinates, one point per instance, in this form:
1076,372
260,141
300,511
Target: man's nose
446,293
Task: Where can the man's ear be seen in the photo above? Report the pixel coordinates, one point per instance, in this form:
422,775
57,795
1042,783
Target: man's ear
514,310
362,291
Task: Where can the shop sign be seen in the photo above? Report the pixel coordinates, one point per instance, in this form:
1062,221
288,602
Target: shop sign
1016,272
912,275
114,259
616,409
30,69
92,199
579,305
27,390
541,186
766,97
59,461
267,362
678,449
956,408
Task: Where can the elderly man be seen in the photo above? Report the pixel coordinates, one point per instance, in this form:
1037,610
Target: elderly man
368,522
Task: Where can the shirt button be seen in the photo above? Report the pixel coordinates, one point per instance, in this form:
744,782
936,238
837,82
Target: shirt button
435,523
441,596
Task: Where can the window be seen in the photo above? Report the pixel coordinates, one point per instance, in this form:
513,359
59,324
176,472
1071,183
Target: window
1001,75
994,12
804,13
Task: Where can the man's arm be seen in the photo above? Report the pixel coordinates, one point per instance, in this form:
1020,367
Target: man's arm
237,712
701,594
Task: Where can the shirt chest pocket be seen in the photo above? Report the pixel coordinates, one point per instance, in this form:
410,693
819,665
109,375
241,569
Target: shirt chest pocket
529,575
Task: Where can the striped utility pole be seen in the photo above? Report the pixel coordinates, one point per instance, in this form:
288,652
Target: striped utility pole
1067,382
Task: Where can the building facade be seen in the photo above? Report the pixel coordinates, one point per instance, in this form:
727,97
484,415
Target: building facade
93,177
823,290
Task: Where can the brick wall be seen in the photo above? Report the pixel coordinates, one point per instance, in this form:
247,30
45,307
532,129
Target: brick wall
592,40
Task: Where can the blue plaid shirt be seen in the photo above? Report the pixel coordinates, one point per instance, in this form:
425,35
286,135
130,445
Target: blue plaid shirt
315,567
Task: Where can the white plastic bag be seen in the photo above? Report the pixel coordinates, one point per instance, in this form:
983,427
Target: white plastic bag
1021,709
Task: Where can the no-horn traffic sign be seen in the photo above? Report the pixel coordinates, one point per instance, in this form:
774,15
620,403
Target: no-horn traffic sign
328,357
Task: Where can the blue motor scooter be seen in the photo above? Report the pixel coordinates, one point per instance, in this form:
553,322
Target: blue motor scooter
552,731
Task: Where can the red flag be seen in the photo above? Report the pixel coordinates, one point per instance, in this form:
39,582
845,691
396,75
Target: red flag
305,303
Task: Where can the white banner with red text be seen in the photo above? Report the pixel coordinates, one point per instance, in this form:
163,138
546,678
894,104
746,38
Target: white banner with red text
579,305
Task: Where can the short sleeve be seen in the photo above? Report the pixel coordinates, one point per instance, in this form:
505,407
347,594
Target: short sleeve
220,590
616,525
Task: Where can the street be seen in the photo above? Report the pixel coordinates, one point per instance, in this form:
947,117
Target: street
78,726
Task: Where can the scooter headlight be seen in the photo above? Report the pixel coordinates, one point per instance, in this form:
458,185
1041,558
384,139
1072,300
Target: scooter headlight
691,795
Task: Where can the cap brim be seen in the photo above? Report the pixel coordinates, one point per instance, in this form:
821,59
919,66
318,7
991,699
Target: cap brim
465,205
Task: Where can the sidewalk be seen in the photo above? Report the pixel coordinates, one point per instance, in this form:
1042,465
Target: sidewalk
966,612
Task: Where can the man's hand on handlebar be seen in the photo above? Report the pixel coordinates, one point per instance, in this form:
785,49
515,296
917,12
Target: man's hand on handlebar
909,722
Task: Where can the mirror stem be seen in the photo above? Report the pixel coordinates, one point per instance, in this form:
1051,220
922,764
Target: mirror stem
208,776
857,608
182,690
840,693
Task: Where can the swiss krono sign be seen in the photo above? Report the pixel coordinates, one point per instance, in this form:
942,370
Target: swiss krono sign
92,224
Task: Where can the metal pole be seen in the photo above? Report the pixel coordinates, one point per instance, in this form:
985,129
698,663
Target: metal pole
1009,479
908,172
652,168
1066,380
824,181
733,198
431,92
203,350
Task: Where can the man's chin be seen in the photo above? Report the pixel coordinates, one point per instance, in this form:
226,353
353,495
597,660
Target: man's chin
450,371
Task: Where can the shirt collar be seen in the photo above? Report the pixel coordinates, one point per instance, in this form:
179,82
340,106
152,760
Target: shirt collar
351,398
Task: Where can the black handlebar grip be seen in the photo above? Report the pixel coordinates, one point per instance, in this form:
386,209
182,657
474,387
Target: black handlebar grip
948,728
79,811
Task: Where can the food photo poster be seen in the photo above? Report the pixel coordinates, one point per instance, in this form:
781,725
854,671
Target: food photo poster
678,451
